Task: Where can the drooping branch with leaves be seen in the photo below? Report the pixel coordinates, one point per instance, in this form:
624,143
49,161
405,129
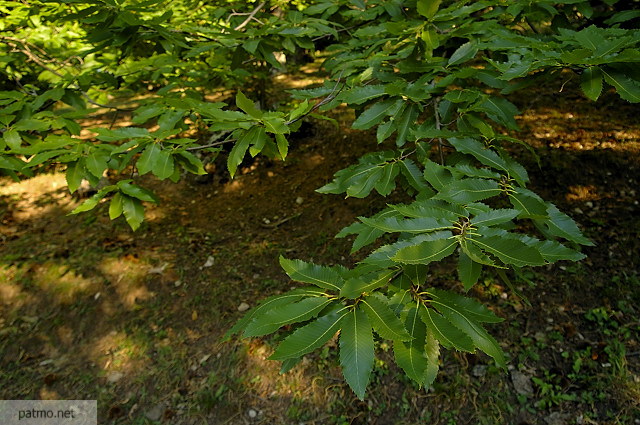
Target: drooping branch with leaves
428,79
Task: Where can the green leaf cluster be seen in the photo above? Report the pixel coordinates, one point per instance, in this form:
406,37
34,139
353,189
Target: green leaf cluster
428,79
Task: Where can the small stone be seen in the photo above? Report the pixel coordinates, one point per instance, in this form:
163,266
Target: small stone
588,204
114,377
521,383
252,413
243,307
557,418
158,270
479,370
155,413
177,283
299,200
209,262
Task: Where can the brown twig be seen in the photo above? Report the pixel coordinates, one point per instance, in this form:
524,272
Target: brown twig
250,16
210,145
279,222
24,48
332,95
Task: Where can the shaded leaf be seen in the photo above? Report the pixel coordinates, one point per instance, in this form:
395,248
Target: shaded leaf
591,82
493,217
136,191
483,154
432,354
163,165
554,251
627,88
309,337
361,94
469,306
428,8
322,276
354,287
410,355
560,224
12,139
510,251
271,303
444,331
426,252
147,159
356,351
437,175
75,174
284,315
133,211
96,162
93,201
463,53
247,105
467,191
473,330
384,321
412,225
414,177
116,206
468,271
376,113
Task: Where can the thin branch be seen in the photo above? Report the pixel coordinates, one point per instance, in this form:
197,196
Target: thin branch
406,155
324,101
23,48
533,28
214,144
250,17
320,37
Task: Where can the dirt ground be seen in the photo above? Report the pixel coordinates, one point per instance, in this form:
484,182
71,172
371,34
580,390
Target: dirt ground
91,310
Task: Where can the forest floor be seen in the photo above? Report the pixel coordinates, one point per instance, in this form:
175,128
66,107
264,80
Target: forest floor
91,310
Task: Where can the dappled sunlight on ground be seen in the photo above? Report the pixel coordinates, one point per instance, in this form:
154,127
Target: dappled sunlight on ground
116,352
127,275
62,284
90,309
582,193
12,296
37,196
578,131
236,185
300,385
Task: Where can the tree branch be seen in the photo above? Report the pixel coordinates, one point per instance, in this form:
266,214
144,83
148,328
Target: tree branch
250,17
324,101
22,47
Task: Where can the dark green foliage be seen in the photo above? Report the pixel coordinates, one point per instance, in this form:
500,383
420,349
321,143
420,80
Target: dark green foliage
429,76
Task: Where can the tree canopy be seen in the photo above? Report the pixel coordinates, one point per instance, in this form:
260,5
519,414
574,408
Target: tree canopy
429,80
